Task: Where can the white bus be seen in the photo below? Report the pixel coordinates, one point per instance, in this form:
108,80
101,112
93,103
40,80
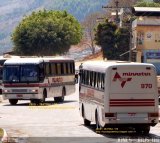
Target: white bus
2,60
36,79
119,94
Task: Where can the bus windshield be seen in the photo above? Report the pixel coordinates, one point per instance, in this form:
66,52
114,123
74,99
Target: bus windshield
1,72
20,73
157,66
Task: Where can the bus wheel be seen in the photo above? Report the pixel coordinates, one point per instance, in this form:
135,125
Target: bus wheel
143,130
44,96
146,130
86,122
60,99
13,101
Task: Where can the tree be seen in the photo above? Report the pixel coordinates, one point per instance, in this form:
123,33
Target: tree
105,37
143,3
89,24
46,33
122,42
113,40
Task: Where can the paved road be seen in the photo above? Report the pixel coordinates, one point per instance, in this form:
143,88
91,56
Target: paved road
58,122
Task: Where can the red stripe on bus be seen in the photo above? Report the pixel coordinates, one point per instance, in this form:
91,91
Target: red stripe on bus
25,85
132,102
133,105
131,99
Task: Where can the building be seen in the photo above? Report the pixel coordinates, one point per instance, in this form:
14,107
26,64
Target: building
146,34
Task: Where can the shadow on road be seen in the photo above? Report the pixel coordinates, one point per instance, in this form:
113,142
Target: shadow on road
125,135
47,103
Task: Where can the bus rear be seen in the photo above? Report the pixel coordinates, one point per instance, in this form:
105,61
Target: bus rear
132,96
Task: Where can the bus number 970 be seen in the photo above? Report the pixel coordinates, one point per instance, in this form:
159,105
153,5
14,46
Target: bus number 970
146,85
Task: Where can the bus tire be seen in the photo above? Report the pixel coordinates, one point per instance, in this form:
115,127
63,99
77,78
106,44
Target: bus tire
86,122
143,130
13,101
44,96
146,130
60,99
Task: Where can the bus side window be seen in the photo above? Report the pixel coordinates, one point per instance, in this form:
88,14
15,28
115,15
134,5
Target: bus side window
87,77
65,68
53,69
68,67
47,69
91,78
94,79
98,80
102,81
62,68
41,72
58,68
82,76
72,68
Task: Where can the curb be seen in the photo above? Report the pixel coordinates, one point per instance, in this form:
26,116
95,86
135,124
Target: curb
4,139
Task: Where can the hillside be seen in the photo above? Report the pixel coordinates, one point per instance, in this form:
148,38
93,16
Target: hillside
12,11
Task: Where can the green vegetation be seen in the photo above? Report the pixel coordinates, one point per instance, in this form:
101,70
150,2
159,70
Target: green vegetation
143,3
46,33
113,40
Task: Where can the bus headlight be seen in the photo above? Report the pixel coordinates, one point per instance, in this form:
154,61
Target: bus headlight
6,91
34,90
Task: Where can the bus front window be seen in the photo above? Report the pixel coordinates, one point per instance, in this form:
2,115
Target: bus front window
1,72
29,73
11,74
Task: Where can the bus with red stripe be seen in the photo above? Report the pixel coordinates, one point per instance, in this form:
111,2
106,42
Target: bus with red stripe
119,94
2,60
36,79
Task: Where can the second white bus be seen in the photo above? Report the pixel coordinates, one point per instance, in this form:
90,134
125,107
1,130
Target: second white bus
119,94
36,79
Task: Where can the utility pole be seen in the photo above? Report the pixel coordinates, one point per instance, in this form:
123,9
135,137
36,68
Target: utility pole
117,17
116,7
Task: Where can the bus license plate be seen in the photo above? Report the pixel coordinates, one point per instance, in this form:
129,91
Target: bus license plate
19,95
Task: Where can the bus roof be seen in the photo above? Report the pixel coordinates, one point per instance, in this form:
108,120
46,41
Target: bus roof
34,60
101,66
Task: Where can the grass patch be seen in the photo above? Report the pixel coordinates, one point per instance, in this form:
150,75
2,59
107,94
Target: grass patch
1,133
